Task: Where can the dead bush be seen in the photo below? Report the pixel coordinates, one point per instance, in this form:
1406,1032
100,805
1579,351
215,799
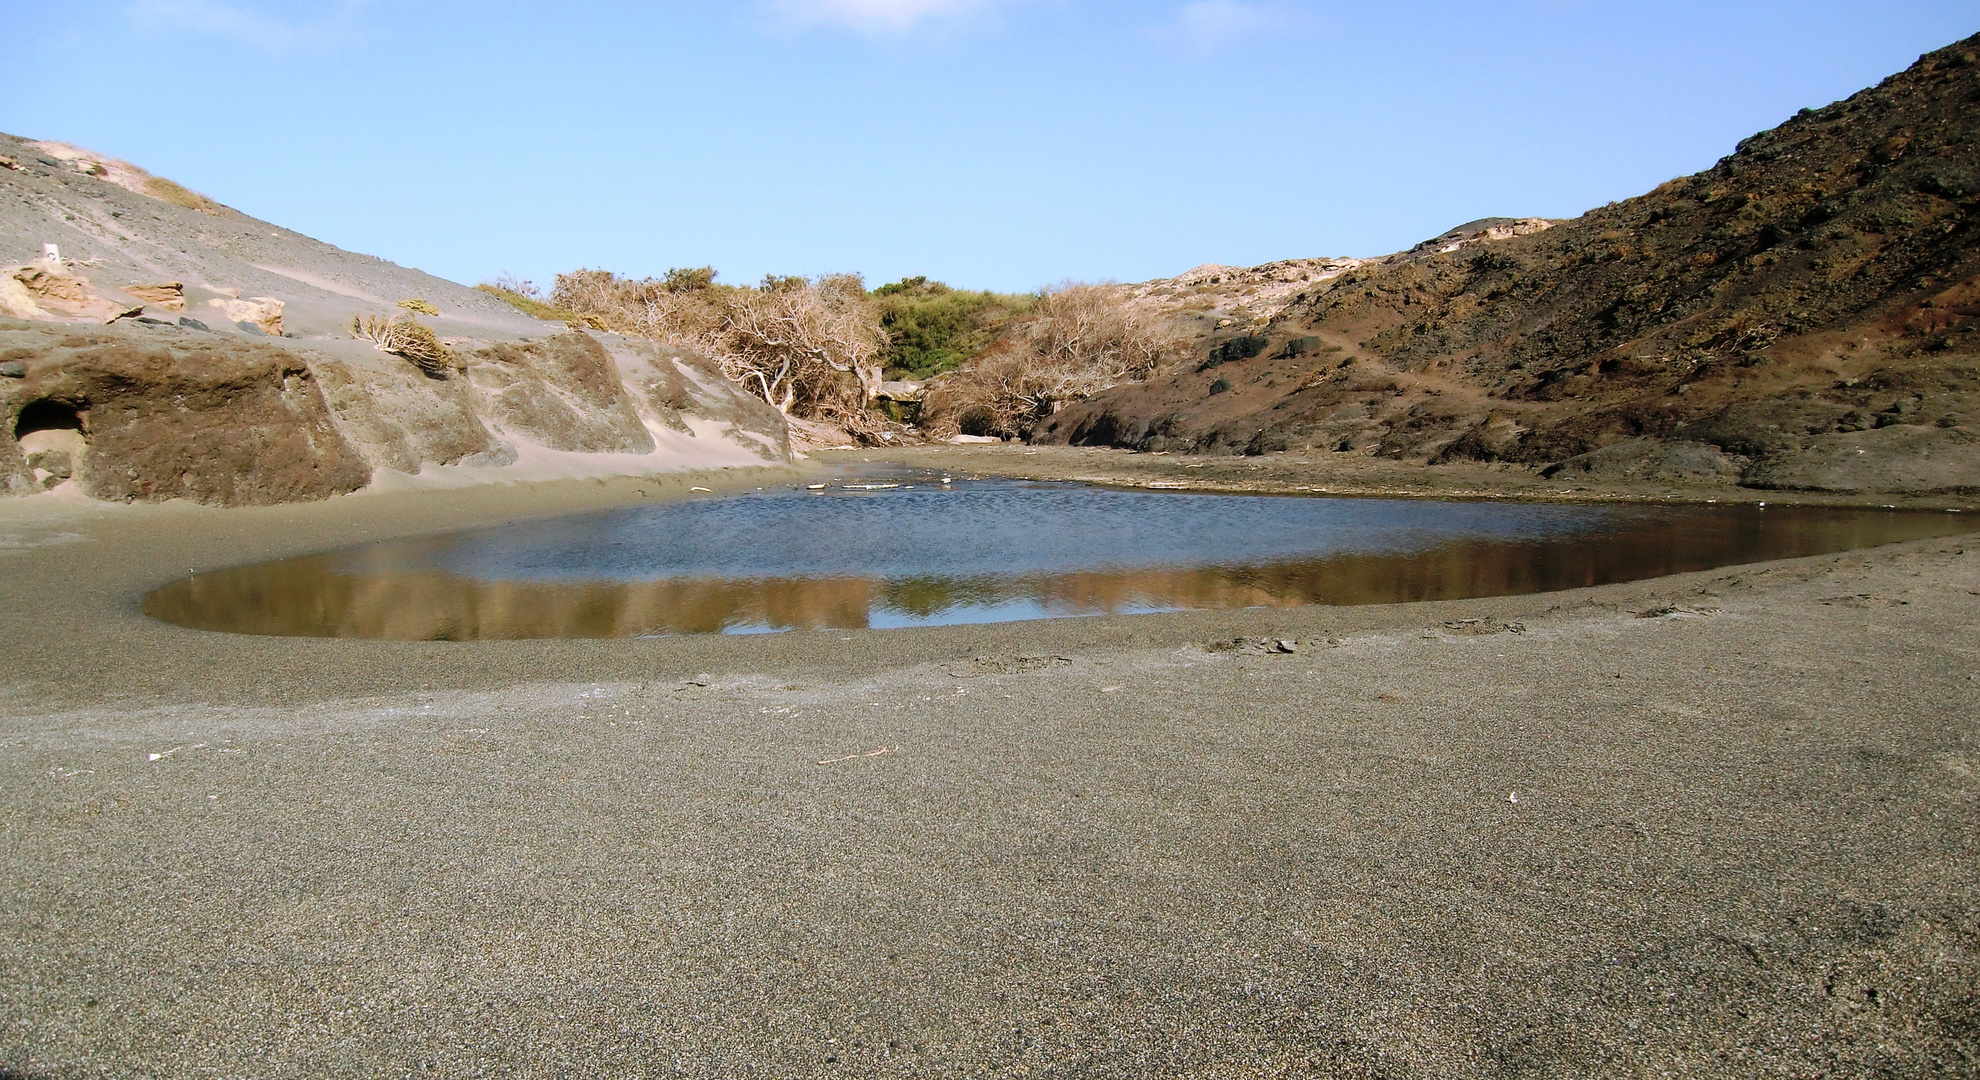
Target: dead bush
810,347
405,337
1079,340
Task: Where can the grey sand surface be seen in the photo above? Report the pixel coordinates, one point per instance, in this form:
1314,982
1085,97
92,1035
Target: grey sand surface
1722,824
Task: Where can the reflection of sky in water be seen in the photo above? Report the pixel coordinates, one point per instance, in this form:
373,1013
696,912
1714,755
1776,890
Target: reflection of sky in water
984,529
995,551
969,610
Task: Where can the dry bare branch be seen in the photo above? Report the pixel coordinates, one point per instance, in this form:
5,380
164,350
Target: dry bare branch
1080,340
810,348
405,337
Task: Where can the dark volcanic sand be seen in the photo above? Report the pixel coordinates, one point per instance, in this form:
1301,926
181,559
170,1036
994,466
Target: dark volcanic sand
1734,838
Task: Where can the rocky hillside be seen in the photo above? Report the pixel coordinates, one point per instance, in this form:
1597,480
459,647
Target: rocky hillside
170,347
1801,315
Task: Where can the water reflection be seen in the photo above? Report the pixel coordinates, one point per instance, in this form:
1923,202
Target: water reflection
1128,552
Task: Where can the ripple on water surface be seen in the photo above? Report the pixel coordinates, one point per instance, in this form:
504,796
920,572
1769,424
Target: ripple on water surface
902,549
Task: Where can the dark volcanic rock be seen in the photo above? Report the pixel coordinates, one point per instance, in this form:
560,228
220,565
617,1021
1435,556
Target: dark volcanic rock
1823,280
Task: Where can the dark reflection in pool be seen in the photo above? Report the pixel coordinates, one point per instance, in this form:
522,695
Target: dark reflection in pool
924,553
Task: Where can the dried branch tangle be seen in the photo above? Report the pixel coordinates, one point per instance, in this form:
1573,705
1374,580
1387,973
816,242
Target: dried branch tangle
808,347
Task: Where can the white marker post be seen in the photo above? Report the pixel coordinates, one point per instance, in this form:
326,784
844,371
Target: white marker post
51,254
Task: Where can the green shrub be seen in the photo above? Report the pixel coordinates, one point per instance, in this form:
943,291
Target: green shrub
419,307
932,328
690,279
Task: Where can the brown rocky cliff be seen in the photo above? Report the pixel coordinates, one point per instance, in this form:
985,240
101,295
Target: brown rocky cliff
216,421
1749,323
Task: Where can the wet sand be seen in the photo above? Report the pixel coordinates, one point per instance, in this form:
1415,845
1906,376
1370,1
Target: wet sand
1720,824
1355,474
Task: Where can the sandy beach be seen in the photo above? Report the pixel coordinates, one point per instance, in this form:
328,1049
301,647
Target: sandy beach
1718,824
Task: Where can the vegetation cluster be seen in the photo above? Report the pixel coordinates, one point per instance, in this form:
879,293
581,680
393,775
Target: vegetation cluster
1076,341
177,194
810,347
819,348
933,329
525,297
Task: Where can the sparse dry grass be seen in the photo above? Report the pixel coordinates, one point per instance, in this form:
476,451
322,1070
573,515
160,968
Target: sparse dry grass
538,309
178,195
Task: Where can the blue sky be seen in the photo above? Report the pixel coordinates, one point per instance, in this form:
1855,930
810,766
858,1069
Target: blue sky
990,143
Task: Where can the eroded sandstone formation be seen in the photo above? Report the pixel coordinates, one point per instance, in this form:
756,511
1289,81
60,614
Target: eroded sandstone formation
155,344
150,411
199,417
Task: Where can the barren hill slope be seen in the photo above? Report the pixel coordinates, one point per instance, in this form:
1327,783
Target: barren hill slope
175,348
1800,315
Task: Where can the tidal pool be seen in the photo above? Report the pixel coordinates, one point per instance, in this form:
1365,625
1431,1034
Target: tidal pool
891,548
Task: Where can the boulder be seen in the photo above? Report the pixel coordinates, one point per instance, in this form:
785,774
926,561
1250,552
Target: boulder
46,290
166,296
16,301
263,313
52,286
402,420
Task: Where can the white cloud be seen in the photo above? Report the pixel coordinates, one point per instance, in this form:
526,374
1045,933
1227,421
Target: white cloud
1206,26
244,24
881,16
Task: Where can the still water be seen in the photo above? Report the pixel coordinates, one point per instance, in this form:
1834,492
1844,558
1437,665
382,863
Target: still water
896,548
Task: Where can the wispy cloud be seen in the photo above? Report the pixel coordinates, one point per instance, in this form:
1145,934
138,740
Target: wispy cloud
1207,26
883,16
333,23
